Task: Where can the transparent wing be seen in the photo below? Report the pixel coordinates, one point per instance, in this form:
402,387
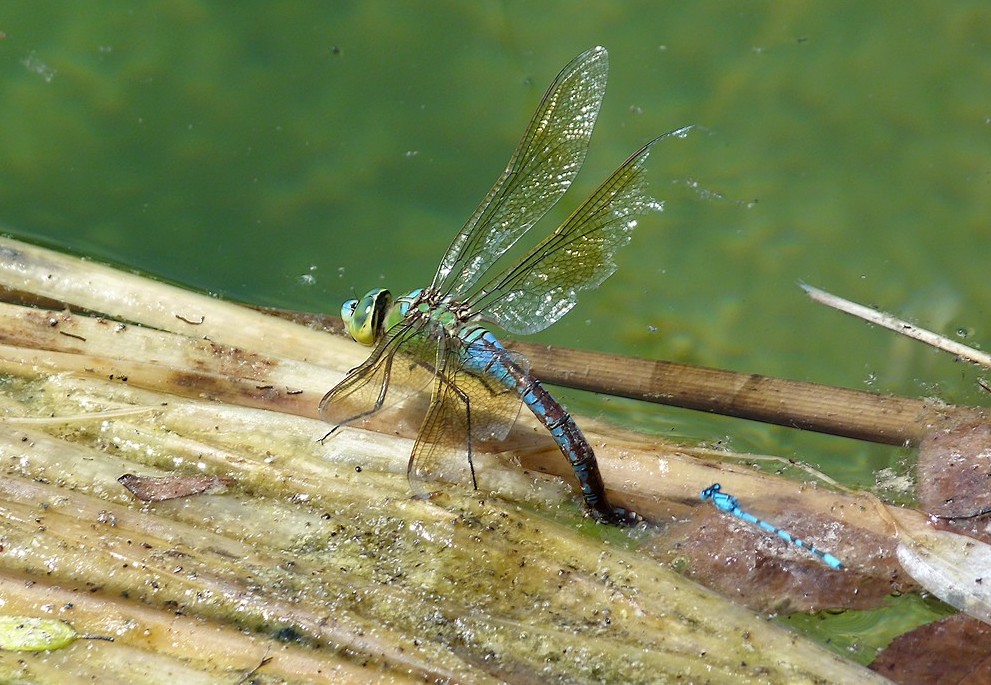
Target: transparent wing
542,167
400,365
443,448
465,408
544,285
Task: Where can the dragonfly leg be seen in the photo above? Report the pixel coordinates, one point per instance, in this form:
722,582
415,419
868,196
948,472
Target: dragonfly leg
445,388
471,462
328,434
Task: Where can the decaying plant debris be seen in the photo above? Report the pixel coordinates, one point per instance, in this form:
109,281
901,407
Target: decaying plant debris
314,564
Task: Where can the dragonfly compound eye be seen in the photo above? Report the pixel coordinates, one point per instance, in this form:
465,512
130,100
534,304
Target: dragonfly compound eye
363,318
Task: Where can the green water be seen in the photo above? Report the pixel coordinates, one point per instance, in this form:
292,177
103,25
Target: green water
296,155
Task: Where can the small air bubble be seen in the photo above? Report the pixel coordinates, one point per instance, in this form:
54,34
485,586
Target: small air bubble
34,64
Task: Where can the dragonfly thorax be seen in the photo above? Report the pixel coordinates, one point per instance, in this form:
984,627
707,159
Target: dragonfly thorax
427,303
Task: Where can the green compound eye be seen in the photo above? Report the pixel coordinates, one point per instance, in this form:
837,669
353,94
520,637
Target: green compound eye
363,318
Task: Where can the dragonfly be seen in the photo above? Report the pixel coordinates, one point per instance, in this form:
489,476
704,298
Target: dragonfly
731,505
435,336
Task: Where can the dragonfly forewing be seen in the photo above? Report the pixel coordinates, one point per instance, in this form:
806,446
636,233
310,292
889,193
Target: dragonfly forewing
543,166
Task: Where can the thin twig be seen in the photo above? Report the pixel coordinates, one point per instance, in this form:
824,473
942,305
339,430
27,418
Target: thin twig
897,325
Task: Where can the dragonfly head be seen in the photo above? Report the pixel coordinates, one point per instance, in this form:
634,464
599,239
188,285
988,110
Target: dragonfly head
364,318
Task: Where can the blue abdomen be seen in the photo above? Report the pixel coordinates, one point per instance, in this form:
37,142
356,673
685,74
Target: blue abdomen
484,356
